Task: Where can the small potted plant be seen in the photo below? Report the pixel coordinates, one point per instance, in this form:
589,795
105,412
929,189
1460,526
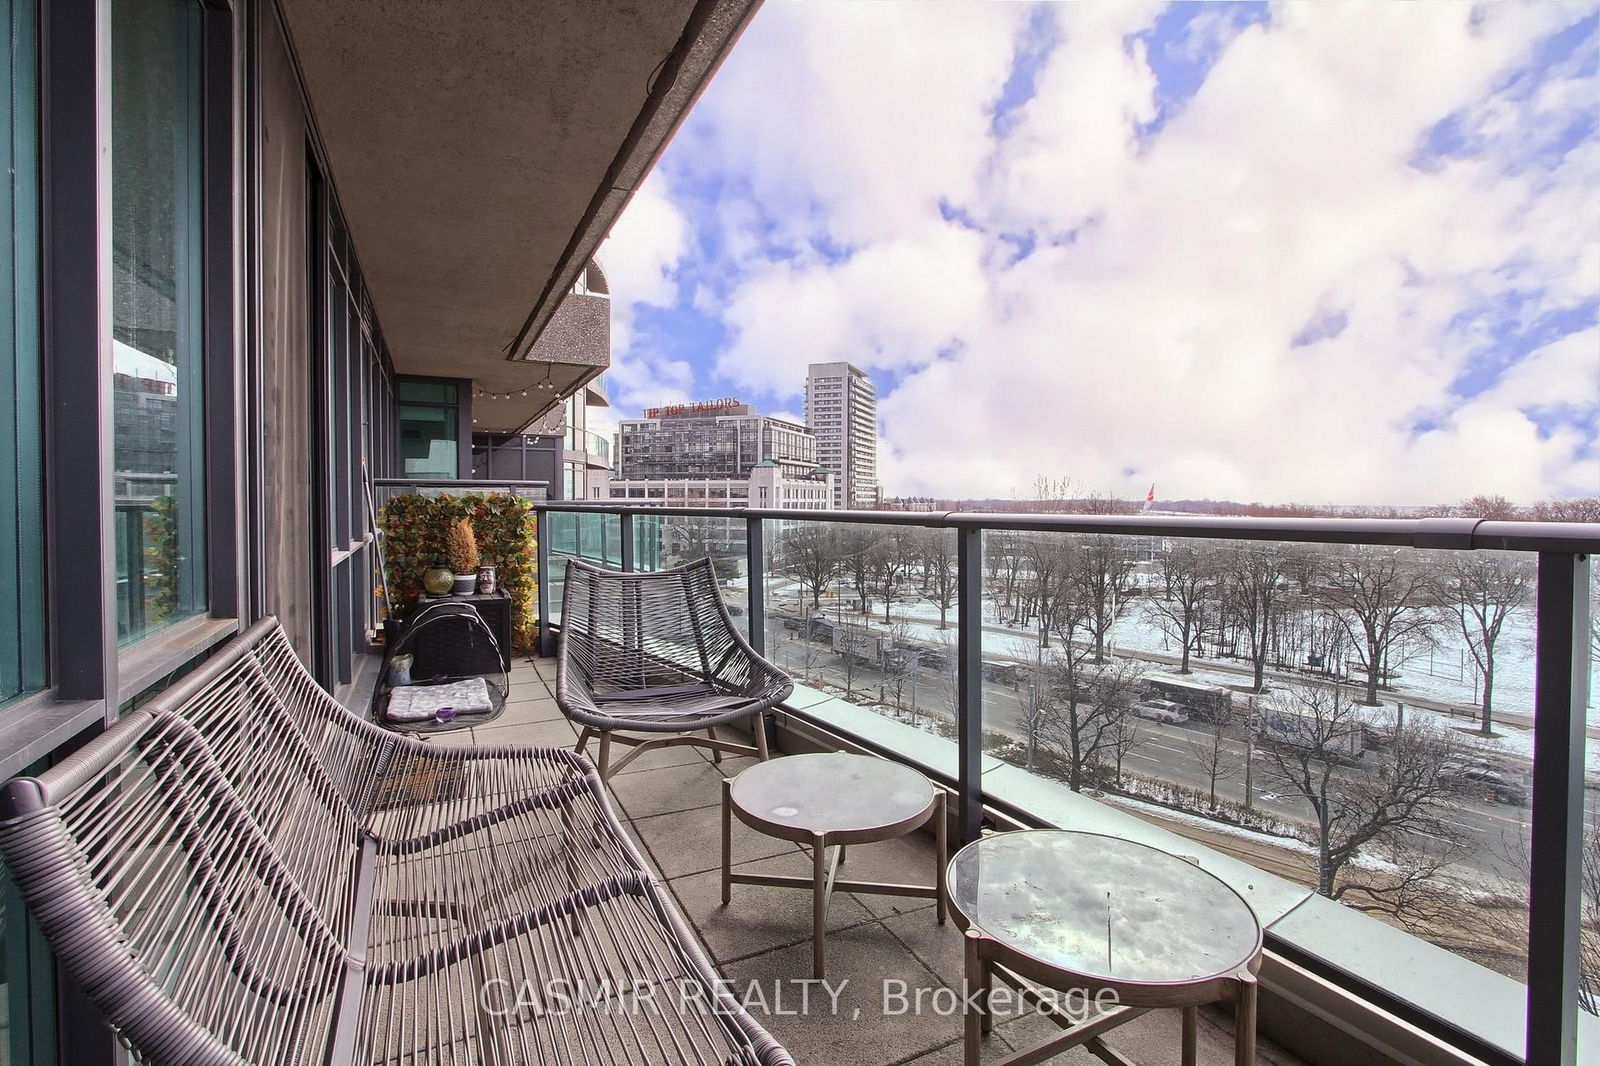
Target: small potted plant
461,552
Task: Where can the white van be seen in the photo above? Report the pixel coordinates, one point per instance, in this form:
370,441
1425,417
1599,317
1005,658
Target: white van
1164,711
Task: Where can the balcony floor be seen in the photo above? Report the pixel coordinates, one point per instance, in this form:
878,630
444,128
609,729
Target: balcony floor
670,800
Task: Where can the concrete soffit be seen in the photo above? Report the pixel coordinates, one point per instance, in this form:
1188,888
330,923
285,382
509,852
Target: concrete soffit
481,152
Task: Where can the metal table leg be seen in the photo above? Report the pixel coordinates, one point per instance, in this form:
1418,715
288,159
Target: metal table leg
1244,1021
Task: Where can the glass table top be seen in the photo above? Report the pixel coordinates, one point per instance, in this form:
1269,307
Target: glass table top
1101,907
832,792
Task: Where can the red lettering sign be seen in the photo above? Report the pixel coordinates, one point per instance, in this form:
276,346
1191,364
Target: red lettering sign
701,408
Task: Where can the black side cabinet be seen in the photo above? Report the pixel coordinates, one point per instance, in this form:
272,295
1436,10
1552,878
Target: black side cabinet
495,610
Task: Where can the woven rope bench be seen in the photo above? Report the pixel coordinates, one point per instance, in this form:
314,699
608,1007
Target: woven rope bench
243,872
657,654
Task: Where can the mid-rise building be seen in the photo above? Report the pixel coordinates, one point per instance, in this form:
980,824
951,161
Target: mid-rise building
770,485
717,453
713,439
842,410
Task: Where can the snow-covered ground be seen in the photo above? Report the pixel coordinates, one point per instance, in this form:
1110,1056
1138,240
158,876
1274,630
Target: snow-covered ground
1444,673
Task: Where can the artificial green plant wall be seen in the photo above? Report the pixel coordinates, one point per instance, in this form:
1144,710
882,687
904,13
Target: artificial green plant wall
414,528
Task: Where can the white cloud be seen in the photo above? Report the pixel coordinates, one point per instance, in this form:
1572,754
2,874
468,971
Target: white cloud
894,304
641,254
640,258
1157,344
826,108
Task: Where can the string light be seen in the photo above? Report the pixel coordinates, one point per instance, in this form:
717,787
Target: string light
547,385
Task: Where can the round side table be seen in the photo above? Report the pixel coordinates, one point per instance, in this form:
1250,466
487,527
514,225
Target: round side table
830,801
1086,913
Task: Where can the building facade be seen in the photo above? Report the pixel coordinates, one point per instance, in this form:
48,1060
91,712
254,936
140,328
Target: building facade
718,439
770,485
241,300
842,410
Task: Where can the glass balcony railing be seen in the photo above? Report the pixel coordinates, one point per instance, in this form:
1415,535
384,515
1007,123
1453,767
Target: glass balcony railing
597,445
1375,730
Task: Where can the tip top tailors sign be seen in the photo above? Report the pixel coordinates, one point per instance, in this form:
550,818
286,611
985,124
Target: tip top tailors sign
704,407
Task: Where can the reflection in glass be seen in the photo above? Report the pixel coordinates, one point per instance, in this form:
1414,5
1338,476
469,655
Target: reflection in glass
665,541
1102,907
429,420
156,313
22,629
867,613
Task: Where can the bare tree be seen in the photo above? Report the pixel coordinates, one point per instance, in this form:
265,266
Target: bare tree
1036,703
1384,599
1589,934
1254,589
1002,565
1081,727
1116,690
1582,509
689,539
1053,493
811,555
947,678
1508,923
1190,573
856,545
1386,802
900,667
1047,556
1481,588
1104,503
1100,573
1217,760
889,564
850,658
1493,507
939,571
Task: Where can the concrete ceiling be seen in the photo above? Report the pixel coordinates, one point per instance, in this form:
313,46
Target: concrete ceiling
481,150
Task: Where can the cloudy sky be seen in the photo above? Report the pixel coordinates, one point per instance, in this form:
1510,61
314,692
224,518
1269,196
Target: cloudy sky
1322,252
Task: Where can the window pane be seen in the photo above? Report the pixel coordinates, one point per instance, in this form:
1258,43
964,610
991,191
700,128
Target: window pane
156,336
21,563
428,443
427,392
21,530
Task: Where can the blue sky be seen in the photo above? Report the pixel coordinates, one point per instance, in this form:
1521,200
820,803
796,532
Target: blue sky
1127,243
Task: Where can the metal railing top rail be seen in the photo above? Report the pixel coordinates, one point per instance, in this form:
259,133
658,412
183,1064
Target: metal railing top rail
477,484
1450,533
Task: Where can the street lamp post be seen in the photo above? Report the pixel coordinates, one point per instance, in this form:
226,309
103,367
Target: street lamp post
1250,756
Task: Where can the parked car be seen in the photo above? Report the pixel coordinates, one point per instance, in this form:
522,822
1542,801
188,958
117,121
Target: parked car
1164,711
1500,789
1498,784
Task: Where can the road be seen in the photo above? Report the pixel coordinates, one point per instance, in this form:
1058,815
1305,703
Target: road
1170,753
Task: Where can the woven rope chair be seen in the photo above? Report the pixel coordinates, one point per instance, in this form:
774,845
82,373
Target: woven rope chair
243,873
656,654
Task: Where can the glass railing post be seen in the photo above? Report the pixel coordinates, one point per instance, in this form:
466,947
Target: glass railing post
755,573
1561,680
969,682
755,569
625,524
547,642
